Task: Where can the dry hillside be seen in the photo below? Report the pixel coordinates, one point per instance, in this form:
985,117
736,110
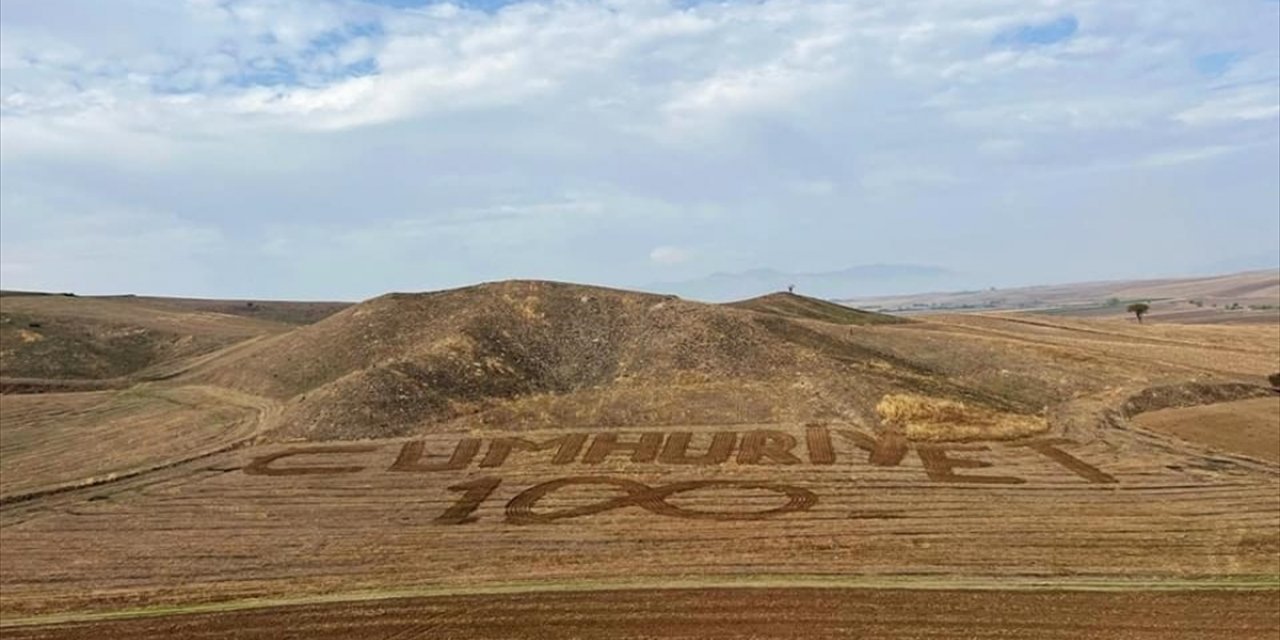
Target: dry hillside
535,353
540,354
77,338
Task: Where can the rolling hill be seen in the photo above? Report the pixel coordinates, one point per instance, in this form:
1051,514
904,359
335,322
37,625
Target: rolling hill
393,364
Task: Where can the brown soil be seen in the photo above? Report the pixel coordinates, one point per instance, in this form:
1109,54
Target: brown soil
386,515
391,365
548,433
731,613
60,440
285,311
790,305
1248,427
536,353
73,338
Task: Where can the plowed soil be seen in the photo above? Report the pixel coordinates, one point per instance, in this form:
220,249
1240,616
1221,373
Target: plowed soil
59,440
389,514
1249,427
531,438
730,614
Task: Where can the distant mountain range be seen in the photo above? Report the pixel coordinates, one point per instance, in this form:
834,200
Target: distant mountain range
858,281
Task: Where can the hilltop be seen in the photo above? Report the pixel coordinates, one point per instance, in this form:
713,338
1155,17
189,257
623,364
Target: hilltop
790,305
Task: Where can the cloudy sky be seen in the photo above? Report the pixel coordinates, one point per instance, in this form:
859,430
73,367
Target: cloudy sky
316,149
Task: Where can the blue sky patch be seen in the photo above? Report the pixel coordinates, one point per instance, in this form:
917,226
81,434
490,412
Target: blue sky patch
1030,35
1216,63
278,72
482,5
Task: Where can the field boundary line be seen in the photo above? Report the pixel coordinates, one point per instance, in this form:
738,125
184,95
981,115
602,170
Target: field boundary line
779,581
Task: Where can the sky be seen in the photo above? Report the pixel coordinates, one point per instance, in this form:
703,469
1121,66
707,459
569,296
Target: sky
337,149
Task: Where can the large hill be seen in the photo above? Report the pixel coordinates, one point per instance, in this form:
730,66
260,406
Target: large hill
533,353
529,354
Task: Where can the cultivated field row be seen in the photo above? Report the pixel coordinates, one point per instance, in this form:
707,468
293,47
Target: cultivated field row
719,613
56,441
358,524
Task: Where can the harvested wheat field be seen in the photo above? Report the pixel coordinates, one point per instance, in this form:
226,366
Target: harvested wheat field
61,440
731,613
1248,427
531,459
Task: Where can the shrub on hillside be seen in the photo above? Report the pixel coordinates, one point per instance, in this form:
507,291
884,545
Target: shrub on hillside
1139,309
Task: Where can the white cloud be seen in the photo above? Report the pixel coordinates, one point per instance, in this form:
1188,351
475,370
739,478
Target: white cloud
666,255
813,187
1180,156
1001,147
1245,103
571,138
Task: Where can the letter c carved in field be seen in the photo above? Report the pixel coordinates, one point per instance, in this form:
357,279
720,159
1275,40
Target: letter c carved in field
261,465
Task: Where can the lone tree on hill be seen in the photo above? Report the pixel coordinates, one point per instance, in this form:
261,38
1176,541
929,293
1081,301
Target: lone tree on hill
1139,309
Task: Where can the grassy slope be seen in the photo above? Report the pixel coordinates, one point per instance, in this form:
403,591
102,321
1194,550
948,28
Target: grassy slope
62,337
790,305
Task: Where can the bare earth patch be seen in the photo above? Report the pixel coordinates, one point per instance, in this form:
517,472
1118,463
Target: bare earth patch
1250,427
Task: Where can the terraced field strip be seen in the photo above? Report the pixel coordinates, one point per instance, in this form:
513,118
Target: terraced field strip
716,612
1203,348
766,582
57,442
360,524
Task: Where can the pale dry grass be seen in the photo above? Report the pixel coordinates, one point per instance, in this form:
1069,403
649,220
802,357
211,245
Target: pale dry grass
937,420
58,440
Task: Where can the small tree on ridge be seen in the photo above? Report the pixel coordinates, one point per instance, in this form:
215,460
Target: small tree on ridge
1139,309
